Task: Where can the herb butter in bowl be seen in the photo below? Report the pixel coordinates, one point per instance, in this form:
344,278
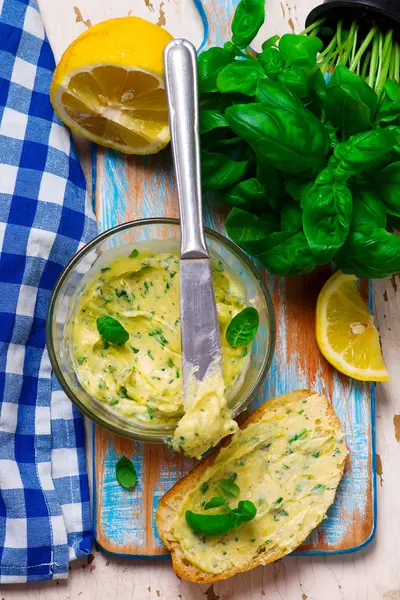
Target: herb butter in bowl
113,329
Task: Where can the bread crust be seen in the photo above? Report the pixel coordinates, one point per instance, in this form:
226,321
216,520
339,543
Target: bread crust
170,502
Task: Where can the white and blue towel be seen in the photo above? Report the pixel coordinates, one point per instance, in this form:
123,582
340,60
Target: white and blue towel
45,217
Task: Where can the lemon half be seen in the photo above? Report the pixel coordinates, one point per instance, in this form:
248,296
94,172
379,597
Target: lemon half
109,85
346,334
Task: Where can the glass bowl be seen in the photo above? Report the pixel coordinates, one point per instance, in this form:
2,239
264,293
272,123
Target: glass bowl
161,235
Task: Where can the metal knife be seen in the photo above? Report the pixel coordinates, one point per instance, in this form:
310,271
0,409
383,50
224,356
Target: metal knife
200,336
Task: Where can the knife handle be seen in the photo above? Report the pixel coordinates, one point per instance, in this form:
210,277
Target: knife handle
180,65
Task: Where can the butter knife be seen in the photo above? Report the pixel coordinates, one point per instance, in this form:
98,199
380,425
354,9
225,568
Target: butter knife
200,336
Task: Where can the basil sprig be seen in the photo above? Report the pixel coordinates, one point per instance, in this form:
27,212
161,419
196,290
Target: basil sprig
229,519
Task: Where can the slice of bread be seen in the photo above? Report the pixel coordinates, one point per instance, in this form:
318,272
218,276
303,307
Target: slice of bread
171,507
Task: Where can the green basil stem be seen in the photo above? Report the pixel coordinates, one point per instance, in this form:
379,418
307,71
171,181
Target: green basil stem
397,62
365,65
374,62
385,64
353,50
349,44
380,60
339,36
312,27
392,63
357,58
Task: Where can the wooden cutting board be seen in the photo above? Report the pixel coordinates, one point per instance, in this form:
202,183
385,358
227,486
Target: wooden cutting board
128,188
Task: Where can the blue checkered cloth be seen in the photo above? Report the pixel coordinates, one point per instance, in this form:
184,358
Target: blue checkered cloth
45,217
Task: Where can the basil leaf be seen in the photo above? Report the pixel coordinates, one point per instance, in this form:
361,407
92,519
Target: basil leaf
373,253
326,219
317,93
350,102
247,510
270,178
211,119
111,330
291,215
249,194
209,64
228,486
214,502
126,473
292,256
389,188
134,253
272,61
275,93
368,209
240,77
389,108
241,331
294,80
300,50
219,171
270,42
362,151
209,524
293,140
249,231
247,20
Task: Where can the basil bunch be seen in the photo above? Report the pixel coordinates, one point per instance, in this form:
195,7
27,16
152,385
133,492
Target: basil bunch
310,169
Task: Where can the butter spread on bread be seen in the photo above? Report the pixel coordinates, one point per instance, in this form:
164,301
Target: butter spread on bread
288,458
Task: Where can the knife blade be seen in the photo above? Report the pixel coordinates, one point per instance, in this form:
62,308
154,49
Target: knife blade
200,335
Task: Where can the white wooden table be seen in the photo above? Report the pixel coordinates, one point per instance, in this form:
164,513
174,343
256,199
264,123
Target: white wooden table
371,574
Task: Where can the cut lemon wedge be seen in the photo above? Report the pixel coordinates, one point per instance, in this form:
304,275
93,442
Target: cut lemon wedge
109,86
346,334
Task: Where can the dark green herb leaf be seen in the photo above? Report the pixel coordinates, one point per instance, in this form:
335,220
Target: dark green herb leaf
300,50
81,360
134,253
209,64
242,330
126,473
204,487
247,20
230,487
275,93
240,77
362,151
233,476
214,502
270,42
219,171
298,189
294,141
368,209
294,80
291,214
317,93
211,119
292,256
209,524
134,350
298,436
249,231
375,253
249,194
272,61
318,489
350,102
246,509
389,188
389,108
111,330
326,219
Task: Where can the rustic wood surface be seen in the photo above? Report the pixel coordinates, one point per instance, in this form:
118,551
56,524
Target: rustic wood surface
372,574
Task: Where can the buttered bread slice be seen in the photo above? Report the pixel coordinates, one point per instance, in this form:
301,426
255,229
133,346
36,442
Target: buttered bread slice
287,459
